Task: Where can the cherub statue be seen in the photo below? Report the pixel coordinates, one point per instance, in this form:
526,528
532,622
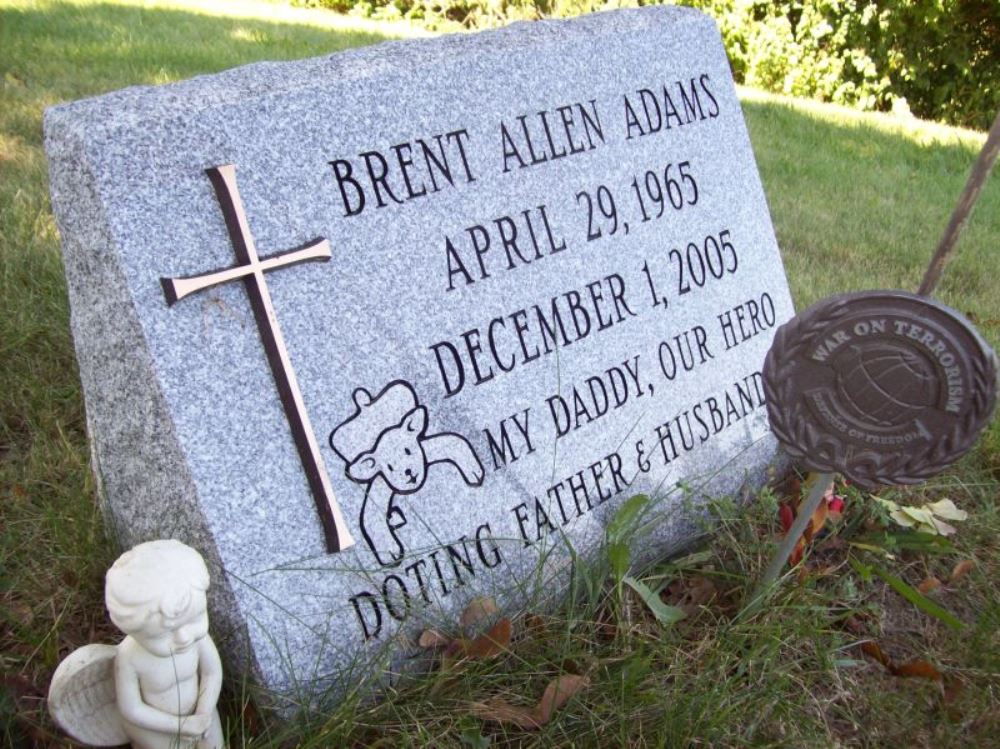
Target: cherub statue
158,688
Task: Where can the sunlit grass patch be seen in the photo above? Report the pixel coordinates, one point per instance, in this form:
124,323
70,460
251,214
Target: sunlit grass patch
922,132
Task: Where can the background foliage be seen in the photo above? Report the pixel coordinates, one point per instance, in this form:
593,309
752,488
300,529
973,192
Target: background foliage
938,59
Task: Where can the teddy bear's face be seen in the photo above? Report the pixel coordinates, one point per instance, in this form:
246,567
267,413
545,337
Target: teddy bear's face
398,456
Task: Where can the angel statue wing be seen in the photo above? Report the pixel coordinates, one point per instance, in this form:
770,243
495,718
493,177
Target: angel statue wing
82,697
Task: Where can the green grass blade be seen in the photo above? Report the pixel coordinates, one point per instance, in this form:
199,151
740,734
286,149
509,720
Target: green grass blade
914,596
665,615
625,517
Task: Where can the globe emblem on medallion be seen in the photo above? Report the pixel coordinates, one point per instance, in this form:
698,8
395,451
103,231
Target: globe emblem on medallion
884,383
884,387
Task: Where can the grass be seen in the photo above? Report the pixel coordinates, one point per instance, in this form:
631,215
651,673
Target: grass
858,201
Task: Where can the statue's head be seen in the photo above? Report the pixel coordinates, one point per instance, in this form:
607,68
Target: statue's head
155,593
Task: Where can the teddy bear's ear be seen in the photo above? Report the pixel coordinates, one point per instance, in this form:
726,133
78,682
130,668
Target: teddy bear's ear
415,422
364,468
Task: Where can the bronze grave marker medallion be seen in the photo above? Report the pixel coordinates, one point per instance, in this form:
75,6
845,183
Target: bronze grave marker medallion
884,387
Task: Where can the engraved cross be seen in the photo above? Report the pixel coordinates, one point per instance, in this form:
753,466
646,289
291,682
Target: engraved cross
251,269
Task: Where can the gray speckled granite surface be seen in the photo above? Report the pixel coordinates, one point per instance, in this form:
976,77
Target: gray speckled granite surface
189,436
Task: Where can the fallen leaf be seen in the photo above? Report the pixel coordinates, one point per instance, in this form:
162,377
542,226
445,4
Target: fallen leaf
431,638
911,669
921,515
888,504
902,519
873,549
557,693
872,650
945,508
960,570
916,669
926,519
477,610
931,583
489,644
942,527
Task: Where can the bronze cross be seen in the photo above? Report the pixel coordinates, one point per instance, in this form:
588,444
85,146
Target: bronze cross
251,269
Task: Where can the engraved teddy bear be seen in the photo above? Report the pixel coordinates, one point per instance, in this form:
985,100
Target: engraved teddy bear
386,447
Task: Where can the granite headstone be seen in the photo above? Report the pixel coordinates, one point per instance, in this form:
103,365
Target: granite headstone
382,331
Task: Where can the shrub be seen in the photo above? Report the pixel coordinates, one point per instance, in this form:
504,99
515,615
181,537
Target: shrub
938,59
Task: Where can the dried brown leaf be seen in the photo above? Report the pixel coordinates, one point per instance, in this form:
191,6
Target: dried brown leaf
478,610
431,638
960,570
491,643
931,583
557,693
873,651
453,651
917,669
911,669
456,647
